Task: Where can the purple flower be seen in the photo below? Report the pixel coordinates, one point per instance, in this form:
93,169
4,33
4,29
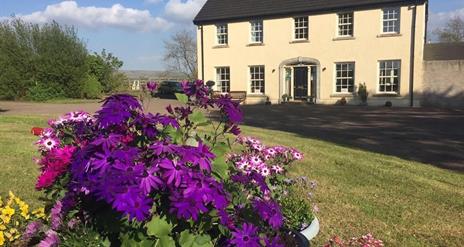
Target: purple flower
150,181
246,237
51,239
31,230
55,215
172,172
188,207
133,204
270,212
152,86
117,109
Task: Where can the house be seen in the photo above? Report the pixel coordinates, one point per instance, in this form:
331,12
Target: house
314,50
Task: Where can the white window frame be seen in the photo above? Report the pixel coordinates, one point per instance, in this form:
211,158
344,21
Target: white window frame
256,35
261,81
386,18
298,27
350,25
223,77
353,78
222,34
389,75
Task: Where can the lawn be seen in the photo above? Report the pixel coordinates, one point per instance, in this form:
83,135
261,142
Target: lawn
402,202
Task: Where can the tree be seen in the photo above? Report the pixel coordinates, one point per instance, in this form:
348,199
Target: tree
181,53
104,67
40,61
453,32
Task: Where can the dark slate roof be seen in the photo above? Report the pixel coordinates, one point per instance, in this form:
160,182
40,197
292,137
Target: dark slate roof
226,10
444,51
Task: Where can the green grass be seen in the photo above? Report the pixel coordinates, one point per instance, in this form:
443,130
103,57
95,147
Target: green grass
402,202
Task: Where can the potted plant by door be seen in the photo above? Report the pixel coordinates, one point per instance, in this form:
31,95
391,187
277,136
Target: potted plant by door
363,94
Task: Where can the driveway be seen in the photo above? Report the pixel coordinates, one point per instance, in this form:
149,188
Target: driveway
432,136
53,109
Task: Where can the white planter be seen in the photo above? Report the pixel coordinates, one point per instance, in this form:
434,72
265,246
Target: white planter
312,229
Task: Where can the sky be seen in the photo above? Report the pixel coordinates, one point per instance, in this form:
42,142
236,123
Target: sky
135,30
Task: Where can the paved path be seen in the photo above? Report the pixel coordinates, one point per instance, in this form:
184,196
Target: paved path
432,136
52,109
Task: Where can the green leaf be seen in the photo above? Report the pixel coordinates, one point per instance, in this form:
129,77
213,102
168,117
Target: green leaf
220,149
165,241
175,134
186,239
220,168
159,227
189,240
182,98
198,117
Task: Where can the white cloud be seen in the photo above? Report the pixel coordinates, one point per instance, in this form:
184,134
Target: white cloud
184,11
438,20
117,16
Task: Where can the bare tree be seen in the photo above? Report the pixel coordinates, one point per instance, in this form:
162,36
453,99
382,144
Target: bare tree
181,53
453,32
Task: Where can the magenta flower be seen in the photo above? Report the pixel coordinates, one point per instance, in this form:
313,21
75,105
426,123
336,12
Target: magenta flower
152,86
51,239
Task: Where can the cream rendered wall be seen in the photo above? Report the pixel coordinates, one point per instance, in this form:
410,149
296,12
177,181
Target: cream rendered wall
366,49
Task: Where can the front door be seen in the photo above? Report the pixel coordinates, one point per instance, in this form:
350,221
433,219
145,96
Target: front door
300,83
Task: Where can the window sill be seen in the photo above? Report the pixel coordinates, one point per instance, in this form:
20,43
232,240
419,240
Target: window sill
299,41
255,44
341,95
220,46
387,35
344,38
386,95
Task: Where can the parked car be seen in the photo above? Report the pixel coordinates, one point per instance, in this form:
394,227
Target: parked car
168,89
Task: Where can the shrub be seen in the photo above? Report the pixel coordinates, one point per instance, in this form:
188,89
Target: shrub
132,178
42,92
91,88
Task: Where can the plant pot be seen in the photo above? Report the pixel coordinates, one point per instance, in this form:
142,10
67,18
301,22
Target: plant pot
293,238
312,230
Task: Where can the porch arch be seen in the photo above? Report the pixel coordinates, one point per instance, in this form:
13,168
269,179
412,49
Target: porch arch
295,62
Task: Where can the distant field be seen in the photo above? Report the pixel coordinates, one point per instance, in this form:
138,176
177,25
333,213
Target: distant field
404,203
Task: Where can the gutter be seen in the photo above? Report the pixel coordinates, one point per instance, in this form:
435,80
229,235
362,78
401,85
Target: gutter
412,58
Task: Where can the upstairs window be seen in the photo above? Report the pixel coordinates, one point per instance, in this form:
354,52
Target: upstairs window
257,79
222,34
301,28
223,79
345,24
389,76
257,31
344,79
391,20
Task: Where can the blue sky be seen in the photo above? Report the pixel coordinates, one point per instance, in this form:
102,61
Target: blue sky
135,30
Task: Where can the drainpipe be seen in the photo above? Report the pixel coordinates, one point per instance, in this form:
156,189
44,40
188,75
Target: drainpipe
202,55
412,58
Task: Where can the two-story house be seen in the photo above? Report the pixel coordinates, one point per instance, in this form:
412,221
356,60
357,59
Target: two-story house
318,50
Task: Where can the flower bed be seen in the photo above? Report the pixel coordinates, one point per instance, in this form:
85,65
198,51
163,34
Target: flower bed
130,178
